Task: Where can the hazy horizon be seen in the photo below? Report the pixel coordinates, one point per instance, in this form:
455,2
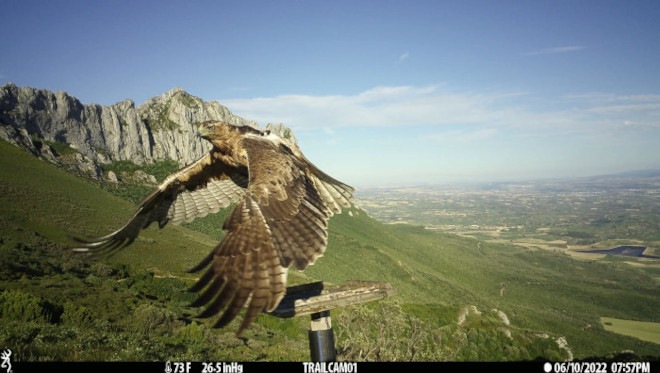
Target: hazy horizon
481,183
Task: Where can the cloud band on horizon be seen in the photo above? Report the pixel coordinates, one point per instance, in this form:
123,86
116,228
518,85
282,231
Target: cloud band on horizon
436,105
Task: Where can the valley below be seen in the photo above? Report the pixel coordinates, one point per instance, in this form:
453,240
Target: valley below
613,220
583,218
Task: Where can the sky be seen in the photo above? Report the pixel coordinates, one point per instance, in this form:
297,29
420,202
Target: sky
378,93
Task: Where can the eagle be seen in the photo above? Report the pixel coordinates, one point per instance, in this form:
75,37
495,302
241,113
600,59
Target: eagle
280,218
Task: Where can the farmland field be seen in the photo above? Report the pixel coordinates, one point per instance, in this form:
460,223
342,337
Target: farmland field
646,331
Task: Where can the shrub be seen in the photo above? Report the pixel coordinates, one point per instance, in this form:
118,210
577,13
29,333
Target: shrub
161,169
149,317
19,306
383,332
61,148
76,315
102,270
192,336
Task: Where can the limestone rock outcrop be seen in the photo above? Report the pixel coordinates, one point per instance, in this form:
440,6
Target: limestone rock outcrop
164,127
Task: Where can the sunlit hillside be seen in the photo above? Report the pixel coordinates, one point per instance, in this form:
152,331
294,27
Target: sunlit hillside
457,298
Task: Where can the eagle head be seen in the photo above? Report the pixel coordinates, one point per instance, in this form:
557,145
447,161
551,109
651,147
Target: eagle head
225,136
215,130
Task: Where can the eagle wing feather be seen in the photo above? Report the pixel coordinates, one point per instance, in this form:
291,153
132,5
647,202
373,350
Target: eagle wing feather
282,220
182,196
283,203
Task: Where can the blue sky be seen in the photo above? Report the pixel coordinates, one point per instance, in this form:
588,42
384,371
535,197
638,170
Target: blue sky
377,92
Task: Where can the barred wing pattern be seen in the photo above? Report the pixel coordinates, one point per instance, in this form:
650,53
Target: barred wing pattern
204,186
218,194
335,194
283,203
282,220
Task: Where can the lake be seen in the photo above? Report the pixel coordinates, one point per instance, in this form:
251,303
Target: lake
634,251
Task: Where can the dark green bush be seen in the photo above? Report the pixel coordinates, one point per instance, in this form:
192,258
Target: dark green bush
76,315
149,317
19,306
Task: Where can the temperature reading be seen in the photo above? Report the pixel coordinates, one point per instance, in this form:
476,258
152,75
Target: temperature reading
177,367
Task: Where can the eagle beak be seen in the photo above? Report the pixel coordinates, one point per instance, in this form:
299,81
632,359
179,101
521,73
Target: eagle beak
204,132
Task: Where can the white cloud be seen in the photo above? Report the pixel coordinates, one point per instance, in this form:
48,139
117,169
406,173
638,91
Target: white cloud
641,111
379,106
611,97
403,57
651,107
462,136
557,50
476,115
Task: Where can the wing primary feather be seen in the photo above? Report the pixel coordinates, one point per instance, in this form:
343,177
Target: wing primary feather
261,293
112,247
221,301
340,192
314,216
209,293
242,272
283,203
232,311
203,281
203,263
101,249
327,196
277,281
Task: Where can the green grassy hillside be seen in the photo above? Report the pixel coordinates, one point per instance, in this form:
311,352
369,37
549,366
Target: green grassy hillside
457,298
538,290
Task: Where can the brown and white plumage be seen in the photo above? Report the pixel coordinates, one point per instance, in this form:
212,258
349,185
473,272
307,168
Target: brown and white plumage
283,203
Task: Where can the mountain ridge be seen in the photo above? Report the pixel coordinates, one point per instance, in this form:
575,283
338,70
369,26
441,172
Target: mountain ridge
162,128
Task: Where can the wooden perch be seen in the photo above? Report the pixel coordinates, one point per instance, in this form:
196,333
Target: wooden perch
315,297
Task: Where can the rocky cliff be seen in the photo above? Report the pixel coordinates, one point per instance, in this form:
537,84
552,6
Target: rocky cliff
164,127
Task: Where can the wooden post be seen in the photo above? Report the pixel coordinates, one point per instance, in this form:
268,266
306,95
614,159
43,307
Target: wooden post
316,300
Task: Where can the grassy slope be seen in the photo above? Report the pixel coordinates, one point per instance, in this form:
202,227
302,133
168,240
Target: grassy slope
540,291
56,205
140,315
643,330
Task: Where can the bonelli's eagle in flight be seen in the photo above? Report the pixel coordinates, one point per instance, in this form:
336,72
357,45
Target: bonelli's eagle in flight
283,203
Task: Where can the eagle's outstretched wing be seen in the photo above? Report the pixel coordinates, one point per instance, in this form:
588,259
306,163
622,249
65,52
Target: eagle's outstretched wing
283,206
202,187
281,220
